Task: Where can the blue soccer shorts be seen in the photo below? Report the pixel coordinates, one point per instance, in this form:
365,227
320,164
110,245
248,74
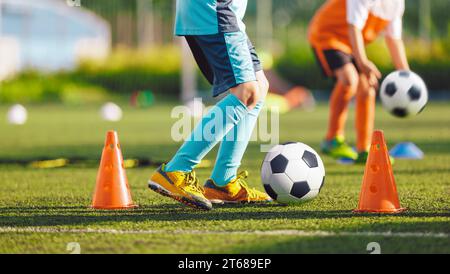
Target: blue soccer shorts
225,59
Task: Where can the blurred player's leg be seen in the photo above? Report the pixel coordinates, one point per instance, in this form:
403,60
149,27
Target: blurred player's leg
344,90
365,119
365,114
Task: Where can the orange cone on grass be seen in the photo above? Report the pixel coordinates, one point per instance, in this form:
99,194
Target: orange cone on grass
379,192
112,190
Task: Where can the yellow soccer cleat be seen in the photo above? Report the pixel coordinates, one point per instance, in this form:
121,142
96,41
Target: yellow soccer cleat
237,191
183,187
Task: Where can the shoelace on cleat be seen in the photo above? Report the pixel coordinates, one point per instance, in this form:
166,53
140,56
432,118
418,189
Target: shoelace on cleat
252,192
192,182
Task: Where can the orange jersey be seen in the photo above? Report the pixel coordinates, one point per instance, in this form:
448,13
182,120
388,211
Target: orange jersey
329,27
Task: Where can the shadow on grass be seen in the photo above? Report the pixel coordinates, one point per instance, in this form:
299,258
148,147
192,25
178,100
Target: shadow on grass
77,215
344,245
85,153
397,171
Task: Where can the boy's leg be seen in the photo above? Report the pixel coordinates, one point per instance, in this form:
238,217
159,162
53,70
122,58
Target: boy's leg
365,114
365,119
235,143
225,185
343,92
214,126
227,64
177,179
339,65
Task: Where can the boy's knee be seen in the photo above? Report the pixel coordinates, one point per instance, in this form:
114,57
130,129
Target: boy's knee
350,80
247,93
348,76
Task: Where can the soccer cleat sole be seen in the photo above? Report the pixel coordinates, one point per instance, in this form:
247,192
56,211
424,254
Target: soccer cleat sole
188,202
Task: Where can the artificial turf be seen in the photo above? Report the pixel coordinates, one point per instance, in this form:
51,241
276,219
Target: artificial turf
58,199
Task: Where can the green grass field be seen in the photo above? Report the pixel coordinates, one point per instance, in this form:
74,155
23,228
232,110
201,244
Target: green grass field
42,210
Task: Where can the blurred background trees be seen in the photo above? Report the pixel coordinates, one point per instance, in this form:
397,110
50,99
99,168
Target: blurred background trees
144,54
140,22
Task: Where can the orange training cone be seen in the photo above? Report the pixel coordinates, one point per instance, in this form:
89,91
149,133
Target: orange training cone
112,190
379,192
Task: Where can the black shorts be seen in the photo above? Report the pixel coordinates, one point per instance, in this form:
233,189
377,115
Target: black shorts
225,59
331,60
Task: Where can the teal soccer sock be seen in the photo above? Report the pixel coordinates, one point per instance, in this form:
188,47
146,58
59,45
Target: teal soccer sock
212,128
233,147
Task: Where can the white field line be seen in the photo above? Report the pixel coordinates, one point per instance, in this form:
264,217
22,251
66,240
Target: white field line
299,233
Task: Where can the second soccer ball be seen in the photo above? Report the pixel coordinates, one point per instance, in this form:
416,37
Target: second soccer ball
404,94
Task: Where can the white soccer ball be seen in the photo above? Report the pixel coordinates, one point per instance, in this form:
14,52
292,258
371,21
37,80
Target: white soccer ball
17,115
292,173
404,93
111,112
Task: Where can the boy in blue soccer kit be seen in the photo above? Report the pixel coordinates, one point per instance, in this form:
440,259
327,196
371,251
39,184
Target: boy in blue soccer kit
216,35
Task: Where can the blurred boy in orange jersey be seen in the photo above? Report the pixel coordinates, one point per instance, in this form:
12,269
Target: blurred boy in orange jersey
338,33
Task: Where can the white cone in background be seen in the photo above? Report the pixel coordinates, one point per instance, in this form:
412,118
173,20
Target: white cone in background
17,115
196,107
111,112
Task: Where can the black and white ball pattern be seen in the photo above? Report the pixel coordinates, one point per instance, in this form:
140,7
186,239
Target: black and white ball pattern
292,172
404,93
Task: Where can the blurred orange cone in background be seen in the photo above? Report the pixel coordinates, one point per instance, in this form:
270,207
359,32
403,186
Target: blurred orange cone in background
379,192
112,190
